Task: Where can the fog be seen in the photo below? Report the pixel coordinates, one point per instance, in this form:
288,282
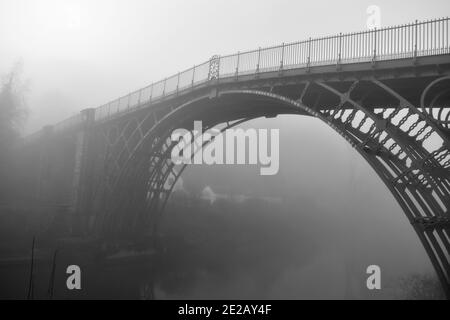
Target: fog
328,216
80,54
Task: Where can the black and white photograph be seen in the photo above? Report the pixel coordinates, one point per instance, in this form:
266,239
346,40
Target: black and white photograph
224,156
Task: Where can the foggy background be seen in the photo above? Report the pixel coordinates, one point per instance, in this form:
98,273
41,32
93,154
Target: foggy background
80,54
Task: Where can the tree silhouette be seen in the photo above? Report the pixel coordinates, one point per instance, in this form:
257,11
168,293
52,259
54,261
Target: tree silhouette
13,113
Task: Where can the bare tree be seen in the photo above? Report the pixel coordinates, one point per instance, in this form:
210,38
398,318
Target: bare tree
13,113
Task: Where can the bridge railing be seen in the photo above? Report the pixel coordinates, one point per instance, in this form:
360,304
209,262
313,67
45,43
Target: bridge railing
404,41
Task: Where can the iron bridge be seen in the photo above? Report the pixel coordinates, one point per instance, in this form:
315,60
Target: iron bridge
386,91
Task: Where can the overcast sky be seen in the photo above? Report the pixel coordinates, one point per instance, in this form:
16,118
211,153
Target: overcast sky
83,53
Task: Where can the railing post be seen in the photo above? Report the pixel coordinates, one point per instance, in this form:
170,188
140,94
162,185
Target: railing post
237,65
259,60
178,81
416,35
282,57
151,92
218,67
308,62
374,46
164,88
340,49
446,35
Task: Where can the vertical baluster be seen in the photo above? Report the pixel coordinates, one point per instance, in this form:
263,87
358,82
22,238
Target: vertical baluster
395,41
424,38
219,61
323,49
344,52
259,60
358,45
392,44
419,38
430,35
316,50
406,41
380,43
375,44
447,35
331,51
151,93
350,46
320,50
308,63
363,47
410,39
164,87
415,39
401,41
140,97
300,52
434,36
237,64
340,48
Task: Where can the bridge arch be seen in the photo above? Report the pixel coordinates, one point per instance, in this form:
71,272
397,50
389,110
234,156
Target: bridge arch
387,140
